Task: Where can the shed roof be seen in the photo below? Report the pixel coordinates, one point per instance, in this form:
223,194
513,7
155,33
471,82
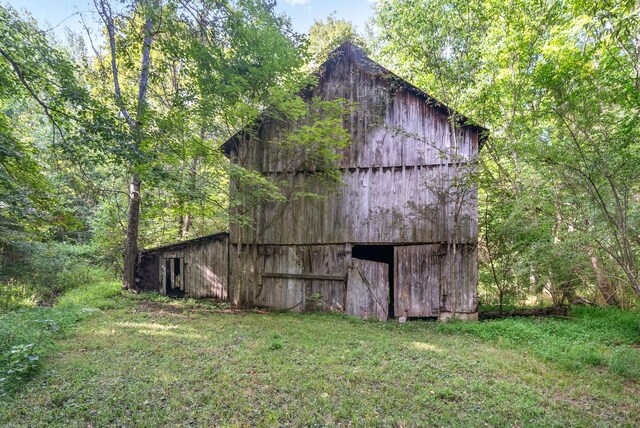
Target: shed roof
176,245
361,60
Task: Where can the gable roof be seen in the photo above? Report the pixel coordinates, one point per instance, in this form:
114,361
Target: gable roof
363,62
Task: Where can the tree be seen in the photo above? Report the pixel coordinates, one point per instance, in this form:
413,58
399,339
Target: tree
557,84
150,14
40,96
325,36
225,62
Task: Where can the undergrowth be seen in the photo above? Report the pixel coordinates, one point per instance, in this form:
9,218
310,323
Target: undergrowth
35,274
29,334
156,361
592,336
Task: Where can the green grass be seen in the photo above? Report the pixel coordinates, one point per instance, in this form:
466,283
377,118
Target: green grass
36,274
593,336
29,334
152,361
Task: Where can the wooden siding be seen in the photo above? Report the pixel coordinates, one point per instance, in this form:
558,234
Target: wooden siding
459,288
390,127
398,172
375,205
297,278
204,268
400,178
418,276
368,289
326,278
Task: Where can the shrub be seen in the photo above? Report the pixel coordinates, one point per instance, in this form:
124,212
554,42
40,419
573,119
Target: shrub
36,273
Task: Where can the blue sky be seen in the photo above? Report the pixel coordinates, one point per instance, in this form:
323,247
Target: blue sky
302,12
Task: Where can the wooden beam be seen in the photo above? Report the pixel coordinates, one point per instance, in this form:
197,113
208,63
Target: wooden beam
303,276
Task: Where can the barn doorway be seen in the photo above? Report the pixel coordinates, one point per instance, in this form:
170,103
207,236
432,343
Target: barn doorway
174,277
380,254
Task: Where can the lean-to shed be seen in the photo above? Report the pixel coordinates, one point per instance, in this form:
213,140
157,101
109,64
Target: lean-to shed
398,238
194,268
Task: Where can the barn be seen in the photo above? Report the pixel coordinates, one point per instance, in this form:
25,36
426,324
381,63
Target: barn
397,238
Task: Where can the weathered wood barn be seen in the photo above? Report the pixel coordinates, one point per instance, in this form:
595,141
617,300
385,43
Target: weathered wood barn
398,238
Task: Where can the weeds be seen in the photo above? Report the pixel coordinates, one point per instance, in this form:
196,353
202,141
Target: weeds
36,274
600,337
28,334
142,364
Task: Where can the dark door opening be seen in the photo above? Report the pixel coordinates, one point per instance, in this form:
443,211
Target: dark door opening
173,277
381,254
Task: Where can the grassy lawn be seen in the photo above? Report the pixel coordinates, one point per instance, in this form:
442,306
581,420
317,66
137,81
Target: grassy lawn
152,362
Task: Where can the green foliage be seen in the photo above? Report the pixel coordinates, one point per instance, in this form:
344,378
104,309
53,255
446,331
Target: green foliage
325,36
315,143
15,294
276,343
36,273
557,85
29,334
39,92
309,141
625,361
214,68
594,337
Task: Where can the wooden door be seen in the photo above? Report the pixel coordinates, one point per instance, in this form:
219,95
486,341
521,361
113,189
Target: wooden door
417,280
368,289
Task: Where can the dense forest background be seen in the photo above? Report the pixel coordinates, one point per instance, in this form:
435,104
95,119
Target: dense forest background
111,144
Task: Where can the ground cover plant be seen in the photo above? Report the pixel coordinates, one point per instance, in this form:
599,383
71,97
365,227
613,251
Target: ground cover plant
148,360
593,336
29,334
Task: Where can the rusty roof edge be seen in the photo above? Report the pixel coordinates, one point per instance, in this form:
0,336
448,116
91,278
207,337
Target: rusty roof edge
213,236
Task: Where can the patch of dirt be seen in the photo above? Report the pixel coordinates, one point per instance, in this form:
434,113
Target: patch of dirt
149,306
170,308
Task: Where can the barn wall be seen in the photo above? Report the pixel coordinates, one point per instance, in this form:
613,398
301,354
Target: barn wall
400,174
298,278
368,289
418,276
459,280
390,126
375,205
425,276
400,187
319,278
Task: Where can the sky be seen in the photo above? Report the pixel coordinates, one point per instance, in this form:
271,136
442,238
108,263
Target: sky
60,13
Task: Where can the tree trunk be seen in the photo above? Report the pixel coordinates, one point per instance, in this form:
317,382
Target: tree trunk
180,223
135,125
131,245
607,289
186,225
